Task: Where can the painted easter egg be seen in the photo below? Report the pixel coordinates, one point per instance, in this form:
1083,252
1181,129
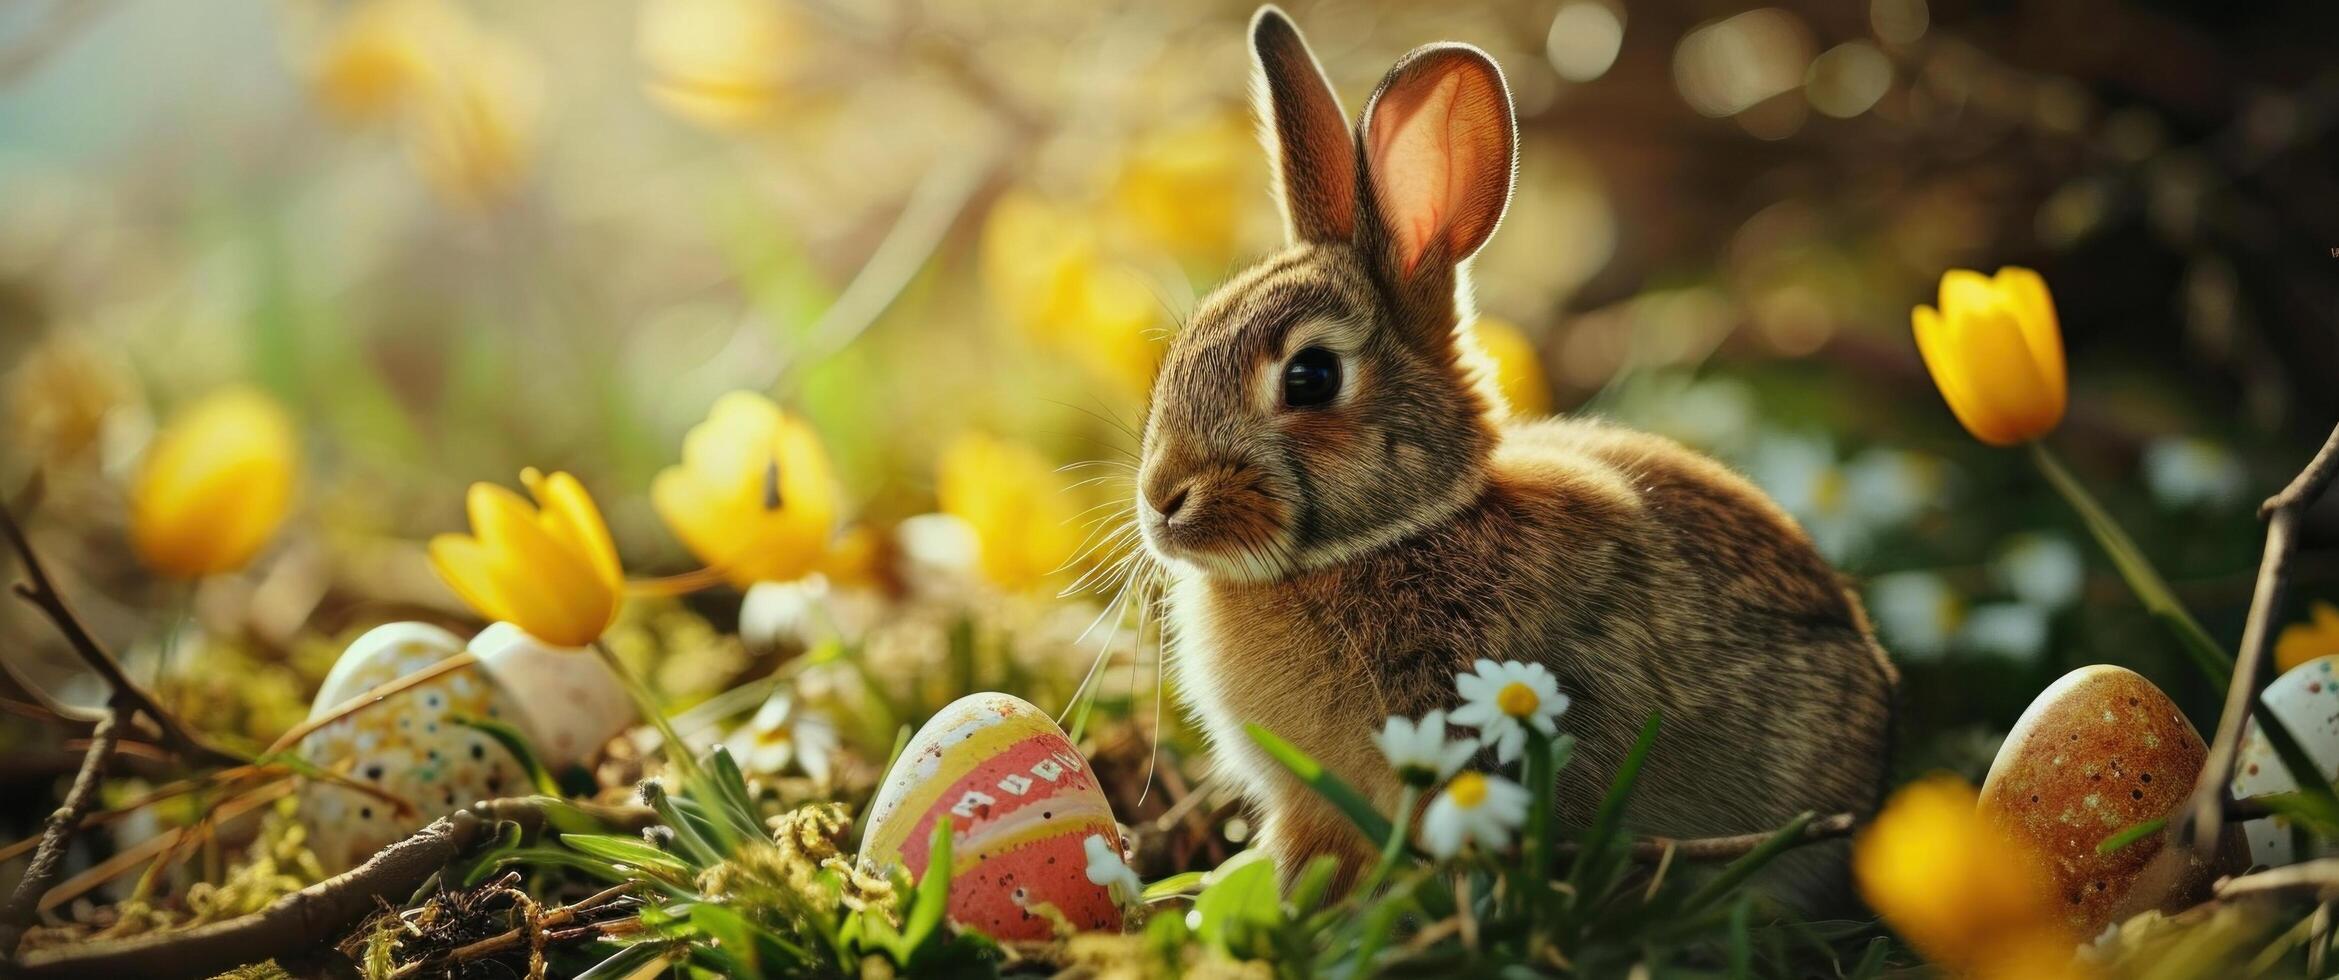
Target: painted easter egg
2306,698
2099,751
411,747
1021,802
566,699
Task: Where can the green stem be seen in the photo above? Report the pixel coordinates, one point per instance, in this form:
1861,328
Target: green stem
2214,660
677,752
1539,782
1399,828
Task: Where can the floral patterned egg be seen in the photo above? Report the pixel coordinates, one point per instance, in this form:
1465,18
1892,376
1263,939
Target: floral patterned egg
2097,752
564,697
2306,698
1021,802
412,746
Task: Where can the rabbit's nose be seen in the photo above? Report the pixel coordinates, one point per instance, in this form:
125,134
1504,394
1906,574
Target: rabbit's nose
1176,500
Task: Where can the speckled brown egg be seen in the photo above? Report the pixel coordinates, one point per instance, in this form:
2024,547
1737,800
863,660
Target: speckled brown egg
2099,751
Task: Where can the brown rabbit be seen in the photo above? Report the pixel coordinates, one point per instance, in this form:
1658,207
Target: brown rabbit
1349,520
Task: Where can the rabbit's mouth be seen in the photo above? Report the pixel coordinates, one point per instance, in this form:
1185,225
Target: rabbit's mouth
1227,525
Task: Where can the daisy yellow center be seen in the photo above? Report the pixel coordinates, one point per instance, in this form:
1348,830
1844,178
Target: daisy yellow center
1468,790
1517,700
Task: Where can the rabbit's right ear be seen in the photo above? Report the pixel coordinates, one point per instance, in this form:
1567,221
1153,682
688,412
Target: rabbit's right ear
1305,132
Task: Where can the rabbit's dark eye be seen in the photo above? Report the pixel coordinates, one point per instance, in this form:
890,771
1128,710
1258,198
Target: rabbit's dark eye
1311,378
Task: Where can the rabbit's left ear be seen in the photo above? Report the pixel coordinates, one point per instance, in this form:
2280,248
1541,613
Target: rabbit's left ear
1439,146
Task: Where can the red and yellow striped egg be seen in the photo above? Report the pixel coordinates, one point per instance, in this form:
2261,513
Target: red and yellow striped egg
1021,802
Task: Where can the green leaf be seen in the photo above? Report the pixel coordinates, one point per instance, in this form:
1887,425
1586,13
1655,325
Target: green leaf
626,850
626,961
1602,835
1332,788
2315,791
507,838
1238,901
933,898
1178,884
517,744
2131,834
686,834
558,858
735,804
1313,881
2214,661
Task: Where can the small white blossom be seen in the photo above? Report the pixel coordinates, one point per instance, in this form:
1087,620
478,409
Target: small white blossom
1916,612
2185,473
1420,750
779,734
1106,868
2045,570
1475,808
1500,700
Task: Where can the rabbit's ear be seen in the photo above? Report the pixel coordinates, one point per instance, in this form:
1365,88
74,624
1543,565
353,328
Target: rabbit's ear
1305,132
1439,146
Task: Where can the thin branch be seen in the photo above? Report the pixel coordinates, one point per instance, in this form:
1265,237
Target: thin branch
2282,513
1654,850
41,591
24,903
2319,877
314,914
518,936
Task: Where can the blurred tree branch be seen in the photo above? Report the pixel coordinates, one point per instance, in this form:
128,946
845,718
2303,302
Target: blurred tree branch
49,36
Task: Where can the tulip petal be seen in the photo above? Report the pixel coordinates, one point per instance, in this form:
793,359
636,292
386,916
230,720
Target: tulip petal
462,562
2001,376
571,516
2025,292
1947,363
546,586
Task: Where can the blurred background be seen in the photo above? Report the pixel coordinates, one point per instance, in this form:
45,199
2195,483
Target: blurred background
458,238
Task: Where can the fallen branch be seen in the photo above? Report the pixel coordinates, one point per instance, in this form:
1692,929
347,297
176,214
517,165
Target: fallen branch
1653,850
314,915
24,903
2282,513
41,591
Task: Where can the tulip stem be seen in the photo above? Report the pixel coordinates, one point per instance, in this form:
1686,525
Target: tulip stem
1400,828
2205,652
677,752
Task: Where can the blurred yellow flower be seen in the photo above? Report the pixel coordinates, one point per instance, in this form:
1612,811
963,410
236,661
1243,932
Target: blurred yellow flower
1046,268
754,497
1514,365
466,102
1957,888
721,63
548,568
2301,642
214,485
472,133
1022,513
1996,353
1186,188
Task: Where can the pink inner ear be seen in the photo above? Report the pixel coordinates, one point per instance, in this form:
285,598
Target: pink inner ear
1437,143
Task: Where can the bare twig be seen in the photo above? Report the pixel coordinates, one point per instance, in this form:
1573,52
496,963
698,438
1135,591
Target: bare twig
2282,512
313,915
514,937
2319,877
1655,850
24,903
41,591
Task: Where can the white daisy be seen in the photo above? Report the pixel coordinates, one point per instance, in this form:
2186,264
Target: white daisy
1420,751
2185,473
1501,699
1475,808
2045,570
1106,868
779,734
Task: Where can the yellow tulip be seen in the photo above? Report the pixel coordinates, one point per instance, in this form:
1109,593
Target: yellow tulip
753,497
214,485
1186,188
1046,267
548,568
1996,353
1957,888
375,56
466,102
720,63
2301,642
1022,514
1513,366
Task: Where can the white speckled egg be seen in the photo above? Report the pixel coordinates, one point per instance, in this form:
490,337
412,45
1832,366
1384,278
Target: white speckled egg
1022,804
412,746
2306,698
565,697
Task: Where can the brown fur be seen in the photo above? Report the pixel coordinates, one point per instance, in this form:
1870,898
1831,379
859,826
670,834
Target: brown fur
1339,564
